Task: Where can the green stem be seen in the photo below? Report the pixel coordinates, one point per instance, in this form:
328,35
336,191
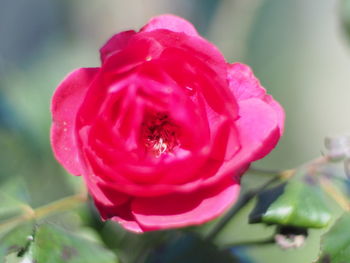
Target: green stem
223,222
64,204
267,241
335,194
242,202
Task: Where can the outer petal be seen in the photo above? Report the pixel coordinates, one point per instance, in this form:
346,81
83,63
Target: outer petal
116,43
120,214
130,225
245,85
172,23
279,111
258,131
178,210
104,196
65,104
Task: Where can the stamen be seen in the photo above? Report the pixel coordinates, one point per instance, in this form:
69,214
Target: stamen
160,135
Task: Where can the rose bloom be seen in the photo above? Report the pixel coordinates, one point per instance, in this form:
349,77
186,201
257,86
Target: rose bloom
162,131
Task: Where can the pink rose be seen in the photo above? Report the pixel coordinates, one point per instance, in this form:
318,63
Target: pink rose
163,130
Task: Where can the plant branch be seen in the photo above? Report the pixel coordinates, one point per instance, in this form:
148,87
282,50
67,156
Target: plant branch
266,241
334,193
64,204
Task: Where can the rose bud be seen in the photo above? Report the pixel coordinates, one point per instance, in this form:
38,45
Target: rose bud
162,131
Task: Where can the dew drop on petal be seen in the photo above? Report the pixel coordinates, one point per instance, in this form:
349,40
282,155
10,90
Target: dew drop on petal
190,90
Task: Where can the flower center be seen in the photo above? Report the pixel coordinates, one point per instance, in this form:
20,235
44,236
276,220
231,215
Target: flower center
160,135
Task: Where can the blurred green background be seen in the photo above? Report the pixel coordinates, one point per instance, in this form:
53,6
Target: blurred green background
296,48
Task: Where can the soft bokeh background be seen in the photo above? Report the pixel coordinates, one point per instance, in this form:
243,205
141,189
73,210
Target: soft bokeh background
296,48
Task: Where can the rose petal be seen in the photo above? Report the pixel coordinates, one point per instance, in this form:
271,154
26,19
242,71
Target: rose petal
259,133
130,225
257,127
105,196
116,43
170,22
178,210
245,85
140,49
65,104
279,111
121,214
207,79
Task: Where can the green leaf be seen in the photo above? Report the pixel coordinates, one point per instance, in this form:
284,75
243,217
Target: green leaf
335,244
300,202
16,240
54,245
190,248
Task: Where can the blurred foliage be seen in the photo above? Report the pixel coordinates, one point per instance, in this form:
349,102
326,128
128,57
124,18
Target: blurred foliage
16,240
52,244
190,248
335,246
345,16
